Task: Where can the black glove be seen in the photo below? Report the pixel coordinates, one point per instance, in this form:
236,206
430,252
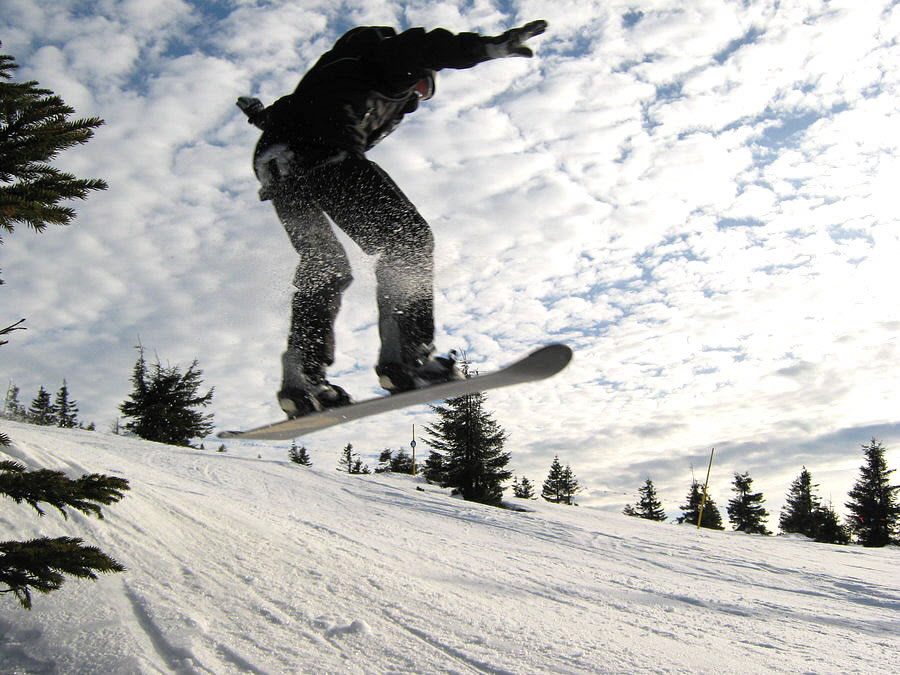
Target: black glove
510,43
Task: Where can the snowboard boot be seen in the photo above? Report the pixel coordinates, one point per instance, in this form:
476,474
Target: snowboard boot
423,370
303,393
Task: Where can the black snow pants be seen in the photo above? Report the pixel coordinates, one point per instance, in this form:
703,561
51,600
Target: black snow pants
305,185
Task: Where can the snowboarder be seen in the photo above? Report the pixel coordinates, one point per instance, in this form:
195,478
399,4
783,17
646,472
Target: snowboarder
310,161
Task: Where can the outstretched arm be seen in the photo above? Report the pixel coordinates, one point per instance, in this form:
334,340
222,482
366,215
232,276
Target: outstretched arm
439,48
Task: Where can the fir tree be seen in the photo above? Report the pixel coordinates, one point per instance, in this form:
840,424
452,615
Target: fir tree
647,506
34,128
346,461
875,512
690,512
40,564
433,469
561,486
399,462
829,529
523,489
351,462
41,411
553,489
798,515
12,409
472,446
163,403
66,410
299,455
745,510
570,485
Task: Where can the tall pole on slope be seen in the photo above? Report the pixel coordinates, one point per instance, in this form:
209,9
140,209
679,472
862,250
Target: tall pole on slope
412,444
705,488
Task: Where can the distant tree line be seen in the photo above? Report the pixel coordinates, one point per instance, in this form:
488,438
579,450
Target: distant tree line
59,411
164,406
873,504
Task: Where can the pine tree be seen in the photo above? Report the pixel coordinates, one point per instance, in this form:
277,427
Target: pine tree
66,410
829,529
12,409
388,461
41,411
433,469
745,510
34,129
299,455
648,506
570,485
875,512
163,403
798,516
40,564
523,489
351,462
471,443
690,512
346,461
553,489
561,486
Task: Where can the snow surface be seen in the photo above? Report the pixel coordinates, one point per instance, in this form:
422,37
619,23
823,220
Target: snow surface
240,563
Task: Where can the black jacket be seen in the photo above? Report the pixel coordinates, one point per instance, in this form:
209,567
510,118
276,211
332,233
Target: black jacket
359,91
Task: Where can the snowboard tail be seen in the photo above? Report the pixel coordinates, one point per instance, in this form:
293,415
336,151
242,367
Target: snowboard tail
540,364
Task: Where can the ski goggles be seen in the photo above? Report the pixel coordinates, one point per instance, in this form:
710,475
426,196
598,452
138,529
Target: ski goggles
424,88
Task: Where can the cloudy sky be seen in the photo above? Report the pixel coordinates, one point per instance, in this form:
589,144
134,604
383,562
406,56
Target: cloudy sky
700,197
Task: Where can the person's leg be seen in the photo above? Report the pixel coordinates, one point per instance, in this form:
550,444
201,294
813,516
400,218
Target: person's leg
323,273
366,204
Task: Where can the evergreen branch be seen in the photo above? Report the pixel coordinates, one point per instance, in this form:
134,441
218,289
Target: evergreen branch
40,564
84,494
10,329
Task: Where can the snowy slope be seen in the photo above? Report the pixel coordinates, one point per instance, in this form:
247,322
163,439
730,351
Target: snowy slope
245,564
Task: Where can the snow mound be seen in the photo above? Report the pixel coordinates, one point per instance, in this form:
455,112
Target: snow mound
245,564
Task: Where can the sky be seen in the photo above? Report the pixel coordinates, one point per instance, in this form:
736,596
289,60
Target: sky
699,199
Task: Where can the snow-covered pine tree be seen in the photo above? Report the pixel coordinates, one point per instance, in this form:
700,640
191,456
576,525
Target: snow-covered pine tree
648,505
471,444
299,455
12,409
690,512
41,411
745,510
875,512
164,401
798,515
66,409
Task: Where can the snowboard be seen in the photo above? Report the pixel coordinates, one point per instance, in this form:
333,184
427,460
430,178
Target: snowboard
538,365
